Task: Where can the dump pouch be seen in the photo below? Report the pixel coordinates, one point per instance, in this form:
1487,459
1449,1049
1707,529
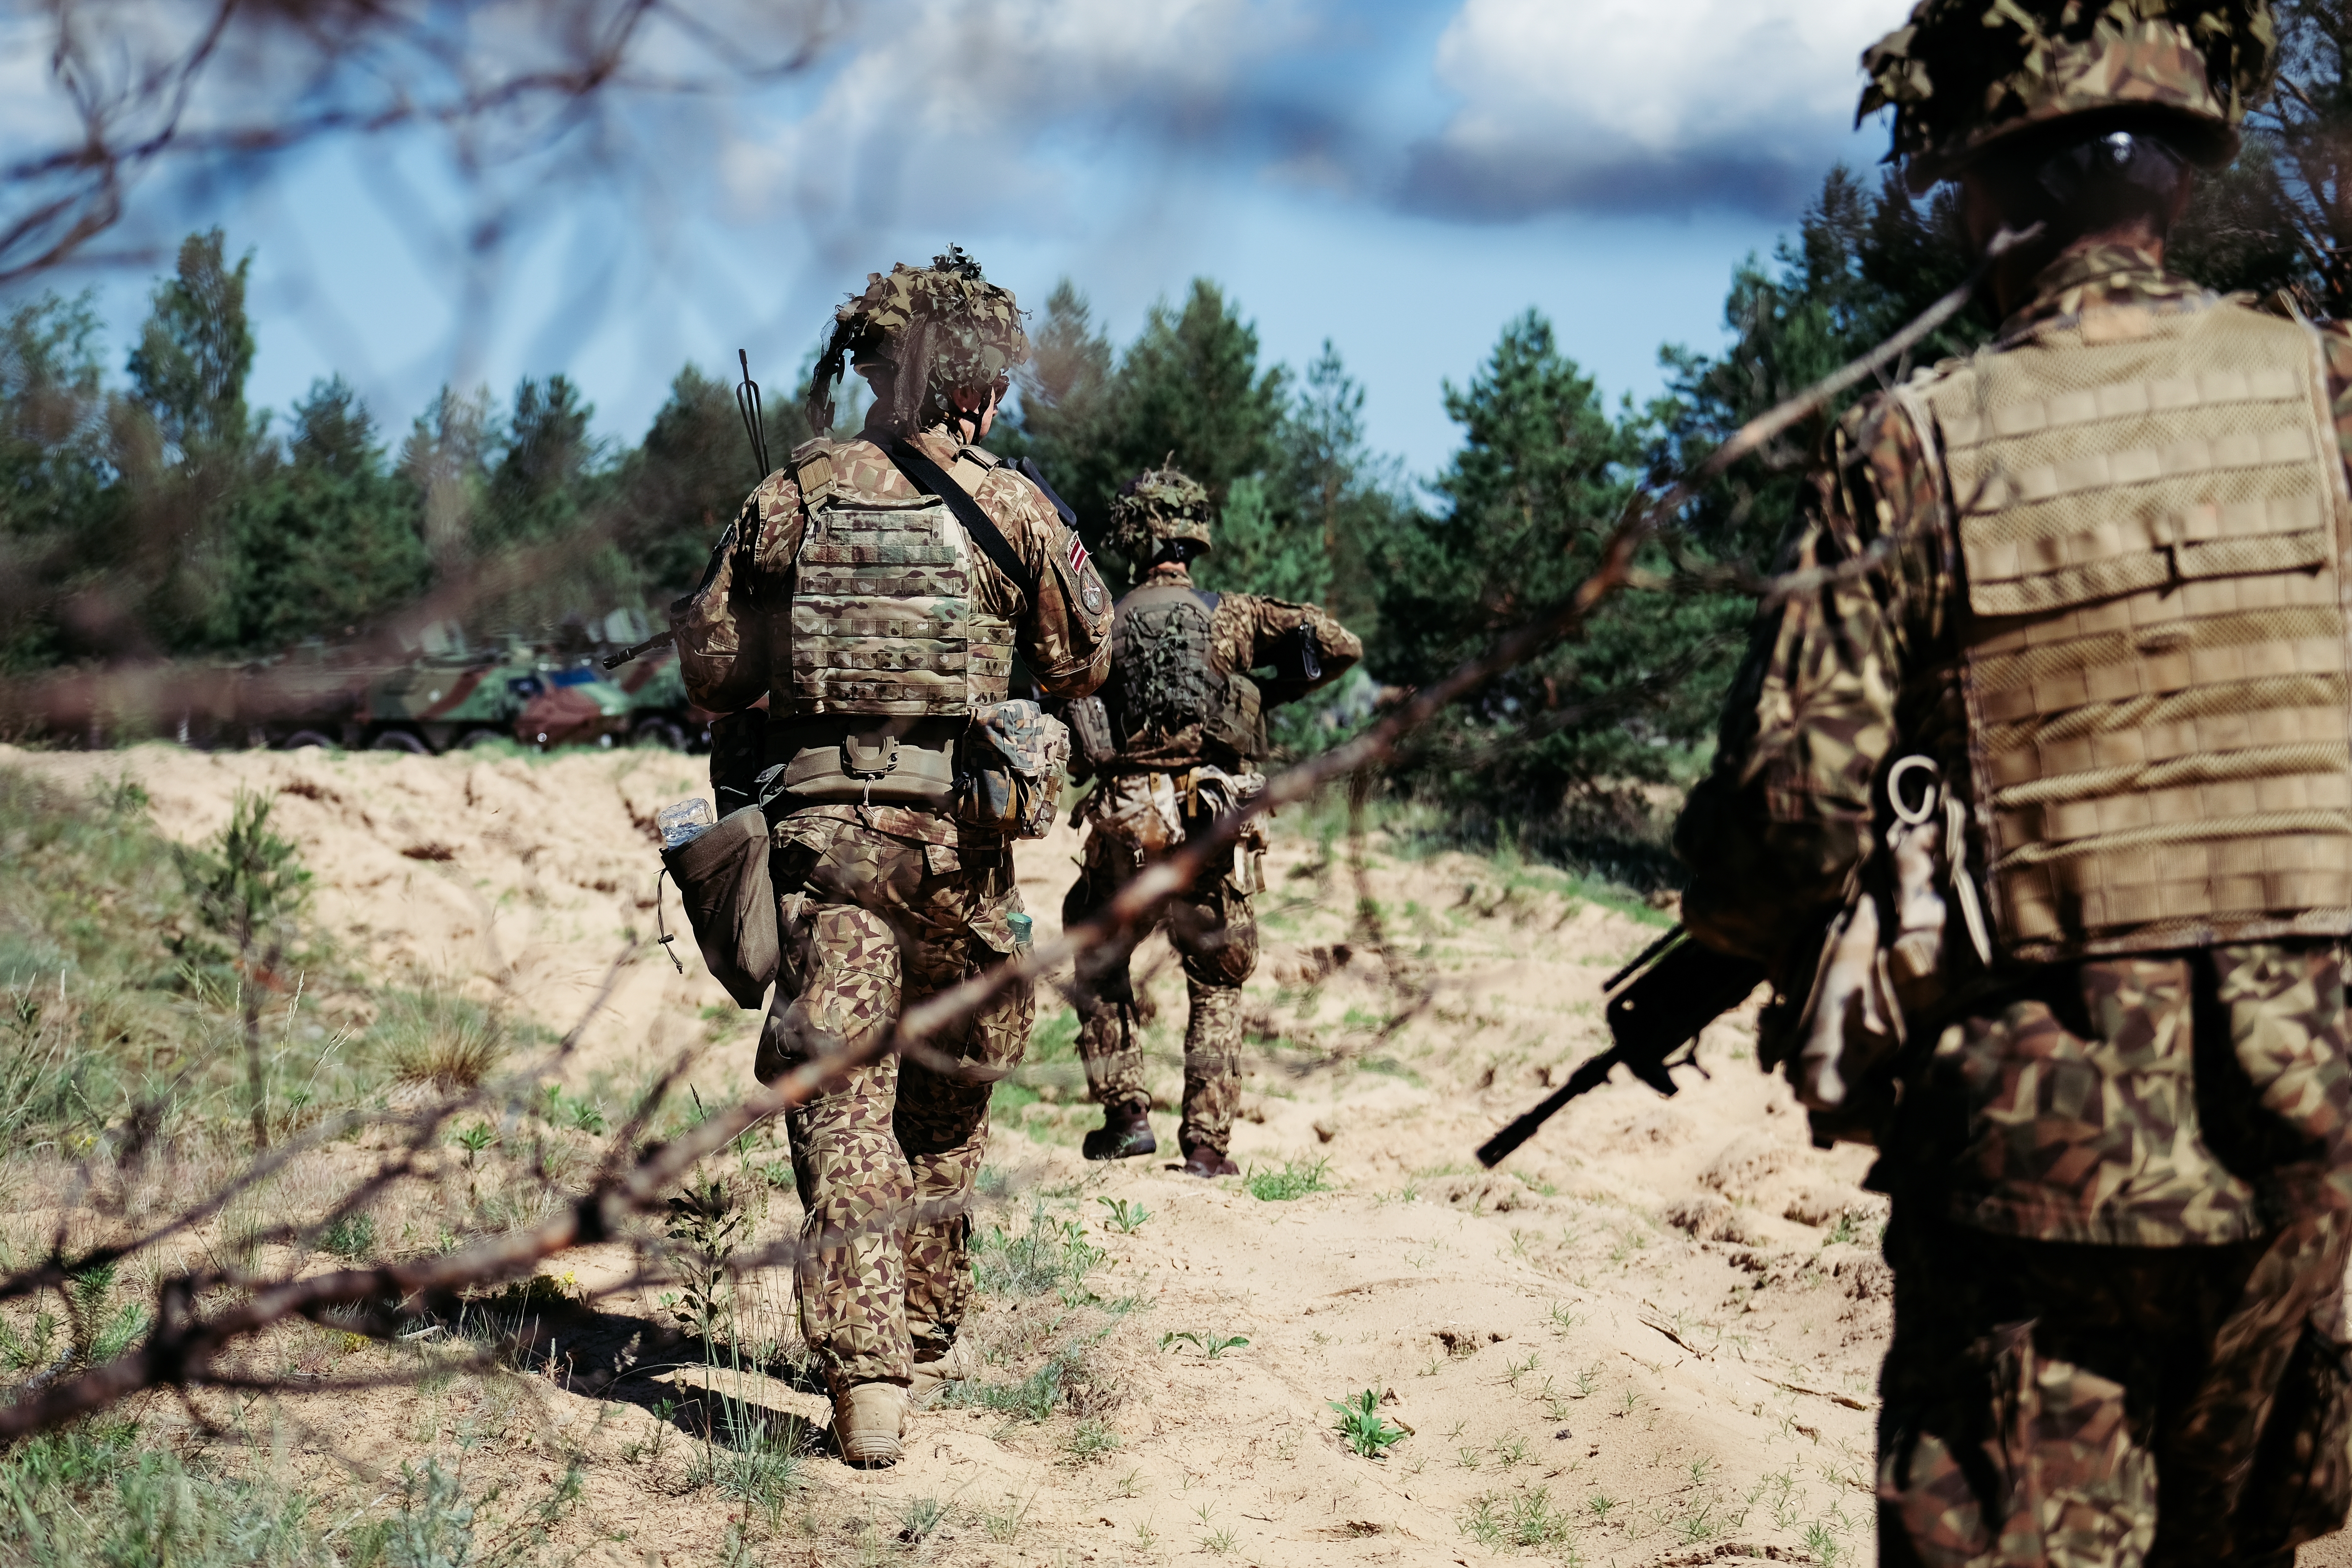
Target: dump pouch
722,879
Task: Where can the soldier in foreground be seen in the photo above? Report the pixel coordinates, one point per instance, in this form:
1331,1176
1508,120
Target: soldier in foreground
875,592
1177,742
2064,735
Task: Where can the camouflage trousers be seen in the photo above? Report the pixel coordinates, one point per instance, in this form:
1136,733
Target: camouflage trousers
2073,1405
1214,931
884,1161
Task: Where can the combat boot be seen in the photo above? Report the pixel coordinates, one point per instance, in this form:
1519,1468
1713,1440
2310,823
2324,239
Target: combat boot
1126,1132
950,1365
869,1419
1200,1160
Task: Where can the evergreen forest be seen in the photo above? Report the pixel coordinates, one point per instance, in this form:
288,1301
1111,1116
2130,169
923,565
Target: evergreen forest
148,512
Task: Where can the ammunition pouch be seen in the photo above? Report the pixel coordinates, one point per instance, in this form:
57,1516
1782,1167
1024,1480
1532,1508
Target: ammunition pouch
892,763
730,900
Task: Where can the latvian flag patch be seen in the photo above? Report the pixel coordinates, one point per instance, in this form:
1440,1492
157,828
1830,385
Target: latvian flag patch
1077,552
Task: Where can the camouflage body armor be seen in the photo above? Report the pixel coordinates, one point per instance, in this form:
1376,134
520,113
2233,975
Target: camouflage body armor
887,643
2151,511
1168,676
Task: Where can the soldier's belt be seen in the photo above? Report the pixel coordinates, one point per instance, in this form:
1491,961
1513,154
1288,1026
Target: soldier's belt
913,764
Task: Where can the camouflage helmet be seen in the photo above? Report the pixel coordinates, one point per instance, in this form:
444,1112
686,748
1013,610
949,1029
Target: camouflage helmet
944,328
1158,505
1963,75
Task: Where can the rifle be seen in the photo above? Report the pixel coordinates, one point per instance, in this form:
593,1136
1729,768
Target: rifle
747,404
1657,1005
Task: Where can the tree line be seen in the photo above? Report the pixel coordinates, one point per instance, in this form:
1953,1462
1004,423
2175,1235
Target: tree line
158,515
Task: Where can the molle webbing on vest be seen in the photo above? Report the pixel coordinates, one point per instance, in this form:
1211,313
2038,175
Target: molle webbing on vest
883,620
2152,512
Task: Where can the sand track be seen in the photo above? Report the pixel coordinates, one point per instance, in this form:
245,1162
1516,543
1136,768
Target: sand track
1651,1339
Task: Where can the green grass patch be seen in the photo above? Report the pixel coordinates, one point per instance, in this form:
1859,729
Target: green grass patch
1295,1179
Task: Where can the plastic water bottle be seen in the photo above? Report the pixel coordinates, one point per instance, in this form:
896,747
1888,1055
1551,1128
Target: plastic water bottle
685,822
1024,930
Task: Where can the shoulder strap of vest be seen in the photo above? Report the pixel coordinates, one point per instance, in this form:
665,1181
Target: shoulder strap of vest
932,481
813,470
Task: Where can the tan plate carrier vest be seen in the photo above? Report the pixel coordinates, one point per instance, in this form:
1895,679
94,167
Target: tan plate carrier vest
883,626
2151,511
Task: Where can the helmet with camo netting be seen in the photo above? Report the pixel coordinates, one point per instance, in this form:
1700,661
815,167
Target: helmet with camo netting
1963,76
943,329
1156,506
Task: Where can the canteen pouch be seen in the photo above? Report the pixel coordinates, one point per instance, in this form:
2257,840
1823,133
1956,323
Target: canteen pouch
730,900
1015,757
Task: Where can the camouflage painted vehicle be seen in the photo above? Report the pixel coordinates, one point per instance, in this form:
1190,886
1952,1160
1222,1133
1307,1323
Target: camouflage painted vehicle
659,713
439,703
570,705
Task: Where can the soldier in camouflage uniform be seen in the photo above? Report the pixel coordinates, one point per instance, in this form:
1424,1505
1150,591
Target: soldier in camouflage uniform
2080,608
1174,741
880,623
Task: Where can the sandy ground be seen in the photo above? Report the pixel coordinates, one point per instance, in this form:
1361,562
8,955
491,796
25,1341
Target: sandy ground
1650,1339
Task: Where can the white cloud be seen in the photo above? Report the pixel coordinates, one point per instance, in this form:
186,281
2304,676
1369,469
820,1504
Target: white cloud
937,102
1643,102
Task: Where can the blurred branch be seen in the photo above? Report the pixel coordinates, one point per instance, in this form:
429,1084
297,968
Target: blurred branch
143,86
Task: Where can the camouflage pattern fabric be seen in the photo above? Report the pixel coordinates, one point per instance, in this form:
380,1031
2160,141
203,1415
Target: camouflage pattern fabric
2089,1406
2076,1123
1961,75
1244,630
1213,929
885,1162
2120,1183
732,640
884,904
1158,504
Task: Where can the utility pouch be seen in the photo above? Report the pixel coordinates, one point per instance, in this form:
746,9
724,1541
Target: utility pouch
1090,726
730,900
1238,721
1883,956
1015,756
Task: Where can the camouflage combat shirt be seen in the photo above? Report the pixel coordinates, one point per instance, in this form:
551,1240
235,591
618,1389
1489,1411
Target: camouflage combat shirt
2093,1101
732,654
1244,631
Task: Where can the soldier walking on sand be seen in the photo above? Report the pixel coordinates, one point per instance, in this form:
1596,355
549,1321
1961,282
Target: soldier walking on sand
1173,742
2067,713
876,591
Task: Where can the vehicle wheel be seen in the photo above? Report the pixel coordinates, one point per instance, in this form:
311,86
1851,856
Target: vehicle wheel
659,732
473,738
401,741
301,737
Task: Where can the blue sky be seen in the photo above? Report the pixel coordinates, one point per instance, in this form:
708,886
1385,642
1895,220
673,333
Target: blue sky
1401,178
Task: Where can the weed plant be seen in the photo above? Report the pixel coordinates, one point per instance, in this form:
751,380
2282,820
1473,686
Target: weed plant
1363,1426
1296,1179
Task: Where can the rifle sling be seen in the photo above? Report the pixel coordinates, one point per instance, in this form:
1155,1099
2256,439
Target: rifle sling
934,480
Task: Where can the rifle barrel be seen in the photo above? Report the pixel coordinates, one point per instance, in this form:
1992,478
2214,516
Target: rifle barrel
614,661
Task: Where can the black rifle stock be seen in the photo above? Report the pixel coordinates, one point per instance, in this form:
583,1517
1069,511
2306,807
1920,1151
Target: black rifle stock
1657,1005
